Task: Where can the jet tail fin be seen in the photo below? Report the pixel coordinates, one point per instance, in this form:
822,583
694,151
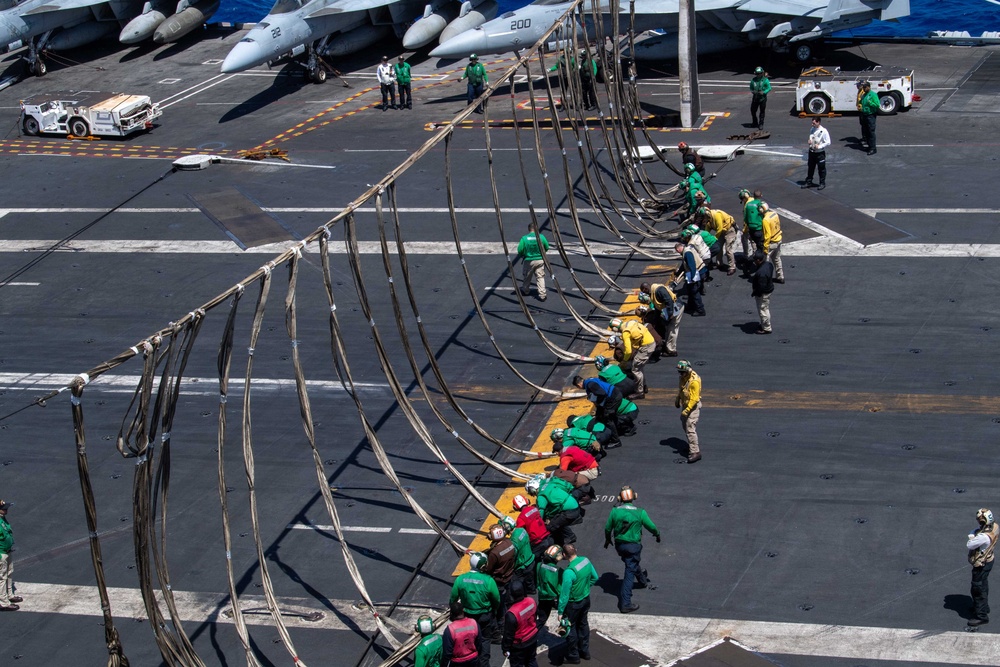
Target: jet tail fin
895,9
888,9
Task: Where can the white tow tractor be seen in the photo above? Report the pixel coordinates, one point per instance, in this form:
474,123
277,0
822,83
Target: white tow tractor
821,90
82,113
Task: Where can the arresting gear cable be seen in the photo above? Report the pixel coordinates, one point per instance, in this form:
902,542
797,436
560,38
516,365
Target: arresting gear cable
148,419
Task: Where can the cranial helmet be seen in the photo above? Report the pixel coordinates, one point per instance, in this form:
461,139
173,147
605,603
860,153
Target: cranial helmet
745,194
682,146
520,502
693,228
425,625
556,434
763,207
601,362
473,57
683,366
497,532
688,166
477,561
626,495
759,70
534,485
508,524
643,297
702,210
641,309
984,517
614,340
615,324
554,553
700,194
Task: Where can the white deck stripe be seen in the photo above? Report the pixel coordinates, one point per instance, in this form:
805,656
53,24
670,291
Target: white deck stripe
126,603
830,244
346,529
292,209
668,637
199,386
271,249
428,531
933,211
663,638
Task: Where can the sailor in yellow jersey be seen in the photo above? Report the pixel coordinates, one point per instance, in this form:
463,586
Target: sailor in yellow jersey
772,240
689,402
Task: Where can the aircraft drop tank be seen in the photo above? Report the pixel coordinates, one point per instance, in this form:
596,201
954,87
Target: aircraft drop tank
357,39
144,25
429,26
79,35
188,17
469,18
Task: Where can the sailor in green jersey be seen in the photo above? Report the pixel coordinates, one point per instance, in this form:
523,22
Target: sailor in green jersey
625,417
530,249
476,74
480,599
591,425
548,575
588,79
558,507
692,175
753,223
624,528
614,375
524,561
403,79
760,86
8,600
870,107
574,603
428,651
578,437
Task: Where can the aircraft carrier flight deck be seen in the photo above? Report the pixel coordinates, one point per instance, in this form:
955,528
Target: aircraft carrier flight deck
844,456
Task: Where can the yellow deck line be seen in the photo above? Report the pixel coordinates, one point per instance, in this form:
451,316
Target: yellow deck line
562,410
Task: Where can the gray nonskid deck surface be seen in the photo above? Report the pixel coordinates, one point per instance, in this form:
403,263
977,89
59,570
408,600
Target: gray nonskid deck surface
845,455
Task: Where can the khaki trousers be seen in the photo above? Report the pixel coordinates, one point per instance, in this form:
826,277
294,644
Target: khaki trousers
729,247
690,424
673,329
590,474
774,256
638,361
533,270
764,311
6,579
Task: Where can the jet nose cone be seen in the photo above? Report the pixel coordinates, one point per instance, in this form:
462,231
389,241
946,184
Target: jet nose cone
245,54
460,46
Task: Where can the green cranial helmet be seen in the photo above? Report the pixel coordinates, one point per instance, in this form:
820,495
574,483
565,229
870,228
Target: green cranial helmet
683,366
601,362
425,625
477,561
556,434
759,70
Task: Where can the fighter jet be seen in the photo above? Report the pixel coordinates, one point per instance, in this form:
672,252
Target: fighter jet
61,24
721,24
320,27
